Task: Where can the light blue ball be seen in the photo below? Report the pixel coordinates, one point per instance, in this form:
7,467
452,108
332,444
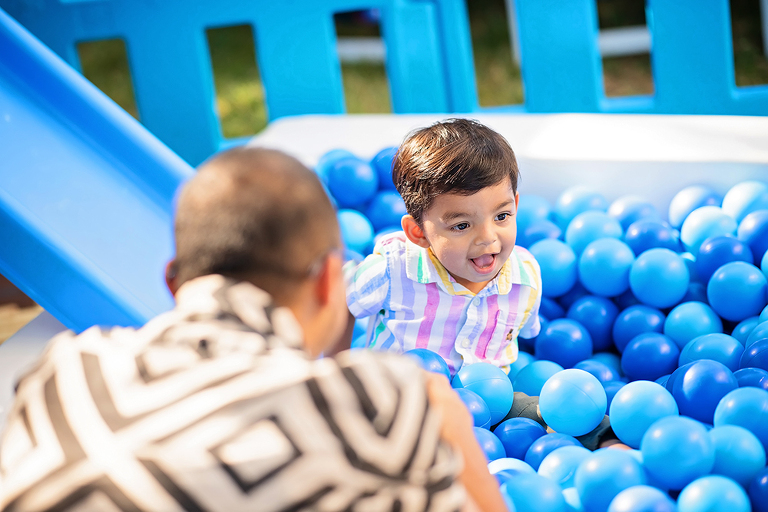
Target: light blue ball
676,450
764,264
589,226
745,198
743,329
523,360
737,290
573,402
703,223
576,200
690,320
481,415
557,262
430,361
713,493
531,378
537,230
491,383
739,455
604,267
642,498
508,463
530,492
745,407
689,199
636,407
716,346
630,209
659,278
560,465
758,332
356,230
603,475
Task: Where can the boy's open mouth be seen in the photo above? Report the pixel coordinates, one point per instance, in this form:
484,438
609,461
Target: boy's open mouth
484,263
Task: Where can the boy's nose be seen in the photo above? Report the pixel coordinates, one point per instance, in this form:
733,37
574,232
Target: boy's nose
486,236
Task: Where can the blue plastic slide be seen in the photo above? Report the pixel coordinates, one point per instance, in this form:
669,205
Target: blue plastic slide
86,193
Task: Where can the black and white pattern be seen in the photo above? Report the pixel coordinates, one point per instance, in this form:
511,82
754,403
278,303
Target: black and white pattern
214,406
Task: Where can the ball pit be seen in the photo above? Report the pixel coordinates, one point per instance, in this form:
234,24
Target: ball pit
638,281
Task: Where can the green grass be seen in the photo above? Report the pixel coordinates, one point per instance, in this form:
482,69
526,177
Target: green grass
240,96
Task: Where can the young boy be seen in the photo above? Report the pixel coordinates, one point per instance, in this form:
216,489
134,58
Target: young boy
452,281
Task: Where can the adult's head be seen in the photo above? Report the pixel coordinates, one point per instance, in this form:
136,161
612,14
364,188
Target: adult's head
261,216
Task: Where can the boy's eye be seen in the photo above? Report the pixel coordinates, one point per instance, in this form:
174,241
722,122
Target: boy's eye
460,227
502,216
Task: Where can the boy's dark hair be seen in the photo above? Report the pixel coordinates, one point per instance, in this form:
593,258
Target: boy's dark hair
456,155
254,214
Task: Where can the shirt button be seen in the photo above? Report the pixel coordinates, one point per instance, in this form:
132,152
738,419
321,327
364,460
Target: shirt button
476,301
465,343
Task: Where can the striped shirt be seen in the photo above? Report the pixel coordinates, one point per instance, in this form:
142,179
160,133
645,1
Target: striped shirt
414,302
214,406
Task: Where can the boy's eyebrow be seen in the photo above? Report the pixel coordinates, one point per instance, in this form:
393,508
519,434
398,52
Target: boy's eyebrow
453,215
503,204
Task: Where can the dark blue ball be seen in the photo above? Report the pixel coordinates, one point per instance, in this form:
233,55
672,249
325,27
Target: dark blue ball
550,309
386,210
538,229
545,445
647,234
756,355
758,492
352,181
382,162
759,332
490,444
699,386
598,370
564,342
597,315
517,435
716,252
636,320
611,388
753,230
649,356
567,299
752,377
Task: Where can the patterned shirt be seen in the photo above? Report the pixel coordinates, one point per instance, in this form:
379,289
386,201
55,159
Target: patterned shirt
415,303
214,406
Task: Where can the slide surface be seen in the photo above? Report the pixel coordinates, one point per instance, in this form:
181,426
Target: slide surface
86,193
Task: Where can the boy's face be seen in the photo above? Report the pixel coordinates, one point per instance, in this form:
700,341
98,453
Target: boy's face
472,235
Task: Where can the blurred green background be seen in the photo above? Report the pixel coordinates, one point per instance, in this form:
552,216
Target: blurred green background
240,97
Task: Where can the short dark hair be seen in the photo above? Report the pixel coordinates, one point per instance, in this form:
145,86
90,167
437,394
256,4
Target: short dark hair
455,155
255,214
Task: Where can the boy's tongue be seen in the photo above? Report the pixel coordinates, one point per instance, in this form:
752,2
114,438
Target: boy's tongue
483,261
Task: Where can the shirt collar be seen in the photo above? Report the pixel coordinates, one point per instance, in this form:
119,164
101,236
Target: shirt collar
422,266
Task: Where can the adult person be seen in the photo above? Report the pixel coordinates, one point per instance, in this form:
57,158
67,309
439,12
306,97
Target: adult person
220,403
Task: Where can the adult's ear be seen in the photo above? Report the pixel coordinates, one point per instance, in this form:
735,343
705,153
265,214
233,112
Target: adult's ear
171,281
414,232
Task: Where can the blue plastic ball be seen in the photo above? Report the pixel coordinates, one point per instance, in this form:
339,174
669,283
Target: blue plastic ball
753,230
430,361
758,492
659,278
576,200
329,158
604,267
649,356
489,443
636,320
676,450
550,309
491,383
642,498
630,209
517,435
589,226
382,162
636,407
739,455
705,222
356,230
737,291
764,264
745,198
648,234
545,445
557,262
759,332
716,346
509,464
763,315
744,328
755,355
481,415
351,181
611,388
532,208
386,210
603,475
573,402
560,465
713,493
532,377
598,370
690,320
689,199
565,342
523,360
609,359
745,407
716,252
752,377
530,492
699,386
539,229
596,315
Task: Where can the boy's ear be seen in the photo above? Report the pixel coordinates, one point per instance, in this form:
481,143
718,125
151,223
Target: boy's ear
413,231
170,277
517,201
